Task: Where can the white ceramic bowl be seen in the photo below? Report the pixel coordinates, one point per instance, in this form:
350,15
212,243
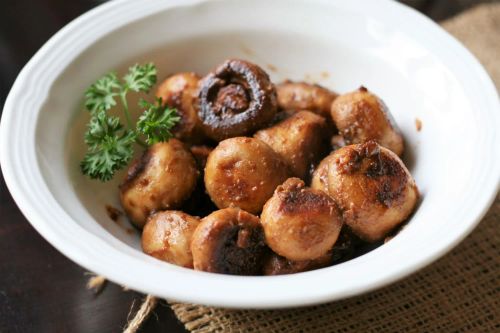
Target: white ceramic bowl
418,69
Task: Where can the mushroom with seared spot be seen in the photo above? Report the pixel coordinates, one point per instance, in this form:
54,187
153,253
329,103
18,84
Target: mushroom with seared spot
229,241
162,178
300,223
361,116
167,236
299,140
371,185
243,172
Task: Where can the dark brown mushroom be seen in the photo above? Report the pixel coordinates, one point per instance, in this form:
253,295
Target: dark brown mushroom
236,99
229,241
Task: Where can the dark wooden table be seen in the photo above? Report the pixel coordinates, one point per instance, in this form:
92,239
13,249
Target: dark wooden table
40,289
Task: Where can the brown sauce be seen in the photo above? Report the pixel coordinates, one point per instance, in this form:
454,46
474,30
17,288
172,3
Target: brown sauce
113,213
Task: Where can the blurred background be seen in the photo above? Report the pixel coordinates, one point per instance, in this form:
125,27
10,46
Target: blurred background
41,290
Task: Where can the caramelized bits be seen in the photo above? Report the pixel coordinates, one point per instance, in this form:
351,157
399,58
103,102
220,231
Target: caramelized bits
300,223
229,241
243,172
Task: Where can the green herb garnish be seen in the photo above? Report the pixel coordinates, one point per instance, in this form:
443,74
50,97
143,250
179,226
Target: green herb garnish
110,144
157,121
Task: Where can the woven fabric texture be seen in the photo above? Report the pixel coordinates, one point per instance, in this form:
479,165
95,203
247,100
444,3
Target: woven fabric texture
458,293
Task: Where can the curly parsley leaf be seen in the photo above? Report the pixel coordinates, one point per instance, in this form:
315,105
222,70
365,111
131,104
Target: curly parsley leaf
140,77
157,121
101,95
110,147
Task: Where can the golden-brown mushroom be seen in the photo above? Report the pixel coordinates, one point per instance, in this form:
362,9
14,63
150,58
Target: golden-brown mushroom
243,172
180,91
373,187
299,140
361,116
300,223
319,179
161,179
303,96
229,241
167,236
236,99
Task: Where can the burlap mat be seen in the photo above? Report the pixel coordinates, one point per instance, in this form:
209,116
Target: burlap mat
458,293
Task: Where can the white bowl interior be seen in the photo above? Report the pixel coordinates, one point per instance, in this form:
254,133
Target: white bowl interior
338,44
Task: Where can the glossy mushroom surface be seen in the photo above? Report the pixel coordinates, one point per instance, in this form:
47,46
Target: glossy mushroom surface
300,223
162,178
236,99
180,91
361,116
319,179
246,137
229,241
299,140
243,172
304,96
167,236
373,187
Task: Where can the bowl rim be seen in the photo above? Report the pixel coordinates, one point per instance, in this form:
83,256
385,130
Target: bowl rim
69,240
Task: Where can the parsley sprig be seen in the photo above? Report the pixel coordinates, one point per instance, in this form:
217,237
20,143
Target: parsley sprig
157,121
110,144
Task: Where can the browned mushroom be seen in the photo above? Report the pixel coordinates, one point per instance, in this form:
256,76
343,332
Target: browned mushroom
236,99
243,172
161,179
304,96
361,116
299,140
229,241
167,236
373,188
300,223
320,175
180,91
